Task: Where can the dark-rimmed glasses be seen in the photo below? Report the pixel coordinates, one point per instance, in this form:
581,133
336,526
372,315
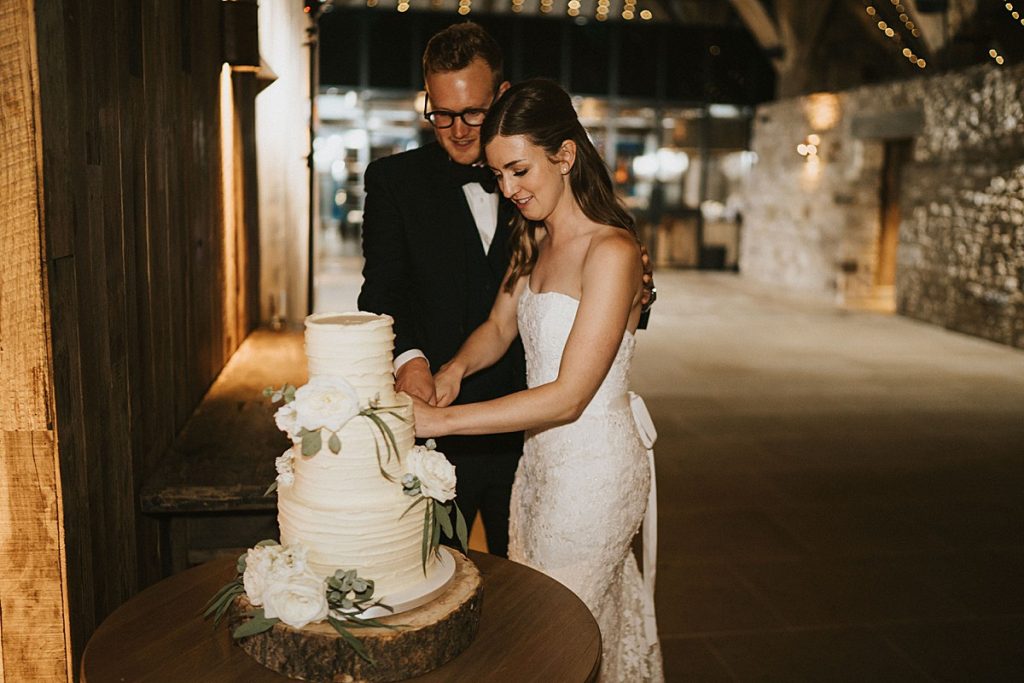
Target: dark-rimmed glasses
442,118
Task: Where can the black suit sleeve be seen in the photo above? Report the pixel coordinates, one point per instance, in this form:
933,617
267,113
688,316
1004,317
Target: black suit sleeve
387,268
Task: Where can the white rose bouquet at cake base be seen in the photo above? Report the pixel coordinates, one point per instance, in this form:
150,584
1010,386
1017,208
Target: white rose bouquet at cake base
281,588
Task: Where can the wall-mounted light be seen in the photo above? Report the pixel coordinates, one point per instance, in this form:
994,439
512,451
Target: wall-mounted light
823,110
241,34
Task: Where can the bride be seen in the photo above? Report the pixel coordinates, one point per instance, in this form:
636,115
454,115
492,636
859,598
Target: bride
573,293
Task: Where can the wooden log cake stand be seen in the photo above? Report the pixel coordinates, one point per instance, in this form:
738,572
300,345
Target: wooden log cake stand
424,638
532,630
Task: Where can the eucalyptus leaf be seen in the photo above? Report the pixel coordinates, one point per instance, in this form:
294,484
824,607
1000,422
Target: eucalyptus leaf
435,538
349,639
334,443
414,504
390,437
311,443
376,445
369,623
258,624
225,603
426,536
443,517
289,393
271,488
460,529
211,606
267,541
268,391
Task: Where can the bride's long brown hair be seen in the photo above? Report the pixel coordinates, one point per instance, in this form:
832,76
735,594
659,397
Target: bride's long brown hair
540,110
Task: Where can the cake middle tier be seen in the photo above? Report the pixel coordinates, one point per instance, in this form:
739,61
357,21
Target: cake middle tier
348,515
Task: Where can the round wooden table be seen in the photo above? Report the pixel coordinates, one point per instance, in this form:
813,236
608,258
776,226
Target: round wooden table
532,628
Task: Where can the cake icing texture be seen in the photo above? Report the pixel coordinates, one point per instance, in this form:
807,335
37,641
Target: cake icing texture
340,506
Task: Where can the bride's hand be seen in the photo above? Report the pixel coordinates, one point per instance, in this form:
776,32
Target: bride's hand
447,384
427,418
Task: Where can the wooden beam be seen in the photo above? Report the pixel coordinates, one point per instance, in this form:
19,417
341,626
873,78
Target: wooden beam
34,633
762,26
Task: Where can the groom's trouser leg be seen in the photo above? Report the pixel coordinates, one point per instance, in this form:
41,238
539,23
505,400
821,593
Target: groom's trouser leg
484,484
494,504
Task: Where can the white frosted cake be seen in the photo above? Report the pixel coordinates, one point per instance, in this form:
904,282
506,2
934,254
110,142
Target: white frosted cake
362,511
339,506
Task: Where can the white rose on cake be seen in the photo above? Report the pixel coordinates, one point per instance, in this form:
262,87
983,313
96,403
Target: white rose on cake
285,420
285,470
435,473
298,601
269,564
325,403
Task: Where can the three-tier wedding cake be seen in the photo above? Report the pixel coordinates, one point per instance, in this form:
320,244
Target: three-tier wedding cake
348,508
361,510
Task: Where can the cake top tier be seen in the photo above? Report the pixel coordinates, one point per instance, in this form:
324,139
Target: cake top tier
357,347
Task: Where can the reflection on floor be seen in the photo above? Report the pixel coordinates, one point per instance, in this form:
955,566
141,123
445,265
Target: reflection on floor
840,492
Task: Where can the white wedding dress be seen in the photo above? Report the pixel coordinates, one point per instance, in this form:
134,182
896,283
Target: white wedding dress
581,491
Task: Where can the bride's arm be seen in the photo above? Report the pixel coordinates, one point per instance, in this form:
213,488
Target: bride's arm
610,298
484,347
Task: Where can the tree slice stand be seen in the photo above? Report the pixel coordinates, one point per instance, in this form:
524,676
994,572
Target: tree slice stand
426,637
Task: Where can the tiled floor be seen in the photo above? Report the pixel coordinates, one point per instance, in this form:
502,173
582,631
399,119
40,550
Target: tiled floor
841,493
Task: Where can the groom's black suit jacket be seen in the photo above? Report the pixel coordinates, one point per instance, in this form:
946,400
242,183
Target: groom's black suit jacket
425,266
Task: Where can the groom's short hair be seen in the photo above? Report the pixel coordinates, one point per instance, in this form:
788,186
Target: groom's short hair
455,47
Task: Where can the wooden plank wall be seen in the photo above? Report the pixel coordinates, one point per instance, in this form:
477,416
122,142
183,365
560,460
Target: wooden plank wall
33,600
139,268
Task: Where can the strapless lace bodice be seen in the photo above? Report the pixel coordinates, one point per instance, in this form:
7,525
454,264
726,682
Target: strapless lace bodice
580,493
544,324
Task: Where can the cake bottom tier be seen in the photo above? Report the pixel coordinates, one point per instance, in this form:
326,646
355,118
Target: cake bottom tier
425,638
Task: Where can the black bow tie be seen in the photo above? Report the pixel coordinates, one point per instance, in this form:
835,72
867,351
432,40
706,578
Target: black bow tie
463,174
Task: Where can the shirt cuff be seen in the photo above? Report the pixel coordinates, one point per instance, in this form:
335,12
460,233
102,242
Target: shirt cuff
407,356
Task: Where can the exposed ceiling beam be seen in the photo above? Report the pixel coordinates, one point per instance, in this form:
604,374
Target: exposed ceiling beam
761,25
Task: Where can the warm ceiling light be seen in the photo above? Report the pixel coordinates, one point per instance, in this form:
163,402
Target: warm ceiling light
646,15
889,32
870,10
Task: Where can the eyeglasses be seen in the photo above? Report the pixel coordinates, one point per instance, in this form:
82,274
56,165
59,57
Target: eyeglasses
442,118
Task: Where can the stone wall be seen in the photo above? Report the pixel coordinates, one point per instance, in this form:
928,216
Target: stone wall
960,257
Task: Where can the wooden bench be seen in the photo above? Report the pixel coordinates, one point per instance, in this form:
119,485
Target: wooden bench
208,491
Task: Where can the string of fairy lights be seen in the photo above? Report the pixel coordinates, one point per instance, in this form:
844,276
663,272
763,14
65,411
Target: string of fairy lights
602,8
1014,13
894,32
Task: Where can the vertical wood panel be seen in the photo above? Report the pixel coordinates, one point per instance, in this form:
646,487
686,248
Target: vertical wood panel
141,328
33,599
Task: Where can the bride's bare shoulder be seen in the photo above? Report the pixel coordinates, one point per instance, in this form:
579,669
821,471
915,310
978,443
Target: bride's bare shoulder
612,247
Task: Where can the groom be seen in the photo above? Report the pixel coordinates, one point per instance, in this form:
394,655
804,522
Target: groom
435,243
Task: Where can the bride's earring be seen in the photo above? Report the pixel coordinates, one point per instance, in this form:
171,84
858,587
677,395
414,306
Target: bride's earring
565,169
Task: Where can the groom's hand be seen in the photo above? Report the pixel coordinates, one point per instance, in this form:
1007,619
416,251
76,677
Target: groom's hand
414,378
